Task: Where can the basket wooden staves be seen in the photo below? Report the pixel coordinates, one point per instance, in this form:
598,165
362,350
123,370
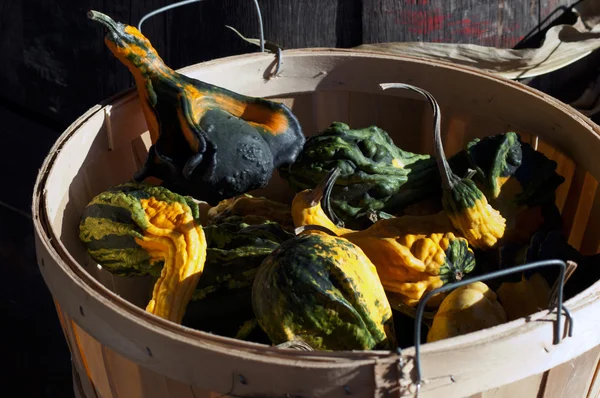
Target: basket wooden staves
119,350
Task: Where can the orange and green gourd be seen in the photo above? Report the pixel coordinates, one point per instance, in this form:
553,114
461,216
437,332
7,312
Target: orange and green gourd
465,310
413,254
464,203
322,290
207,142
140,229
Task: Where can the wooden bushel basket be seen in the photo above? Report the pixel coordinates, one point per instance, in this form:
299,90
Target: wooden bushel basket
119,350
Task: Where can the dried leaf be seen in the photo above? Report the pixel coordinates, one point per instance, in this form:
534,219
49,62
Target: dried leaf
563,45
269,46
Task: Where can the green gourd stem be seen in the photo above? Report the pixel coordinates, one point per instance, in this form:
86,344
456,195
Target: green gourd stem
443,166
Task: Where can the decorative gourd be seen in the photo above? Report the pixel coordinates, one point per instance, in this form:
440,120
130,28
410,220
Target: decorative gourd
374,173
222,300
553,244
208,142
412,254
322,290
465,310
518,181
251,210
523,298
495,159
466,206
135,228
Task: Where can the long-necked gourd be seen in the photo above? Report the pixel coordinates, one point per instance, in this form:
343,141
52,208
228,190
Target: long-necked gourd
466,206
208,142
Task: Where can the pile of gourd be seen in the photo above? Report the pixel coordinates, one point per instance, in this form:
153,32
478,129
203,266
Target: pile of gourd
371,229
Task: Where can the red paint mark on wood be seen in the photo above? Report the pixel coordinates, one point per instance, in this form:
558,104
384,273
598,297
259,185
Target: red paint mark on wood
466,27
422,22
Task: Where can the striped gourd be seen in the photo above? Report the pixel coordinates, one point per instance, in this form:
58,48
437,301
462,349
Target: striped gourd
139,229
322,290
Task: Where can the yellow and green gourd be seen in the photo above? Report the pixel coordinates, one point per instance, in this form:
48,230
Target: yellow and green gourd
222,300
138,229
324,291
413,254
464,203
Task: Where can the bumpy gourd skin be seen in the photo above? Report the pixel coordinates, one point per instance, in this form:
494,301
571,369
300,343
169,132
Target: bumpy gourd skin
222,301
208,142
374,173
465,310
495,160
471,214
413,254
139,229
251,210
324,291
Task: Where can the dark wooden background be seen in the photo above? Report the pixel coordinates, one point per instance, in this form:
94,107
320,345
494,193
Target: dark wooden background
54,66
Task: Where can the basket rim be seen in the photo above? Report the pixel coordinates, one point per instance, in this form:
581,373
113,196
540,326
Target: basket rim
92,287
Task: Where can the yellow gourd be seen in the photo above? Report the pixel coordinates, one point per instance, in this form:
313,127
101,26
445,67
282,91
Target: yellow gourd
413,254
524,298
466,309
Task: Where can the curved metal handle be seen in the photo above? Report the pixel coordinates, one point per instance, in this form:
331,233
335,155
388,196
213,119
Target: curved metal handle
182,3
492,275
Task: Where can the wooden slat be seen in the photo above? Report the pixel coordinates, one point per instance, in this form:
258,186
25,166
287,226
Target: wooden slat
572,379
91,351
111,168
303,109
426,130
499,23
77,356
399,117
591,239
363,110
526,388
594,391
140,147
455,130
584,207
571,207
329,107
565,167
131,380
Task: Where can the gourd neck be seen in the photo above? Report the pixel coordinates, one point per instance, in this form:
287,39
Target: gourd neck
446,174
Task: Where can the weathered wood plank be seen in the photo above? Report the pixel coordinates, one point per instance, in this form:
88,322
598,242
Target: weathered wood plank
500,23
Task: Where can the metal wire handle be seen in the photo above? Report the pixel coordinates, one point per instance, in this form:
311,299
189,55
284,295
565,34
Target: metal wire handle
492,275
182,3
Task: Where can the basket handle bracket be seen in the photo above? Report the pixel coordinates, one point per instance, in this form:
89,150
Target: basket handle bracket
556,301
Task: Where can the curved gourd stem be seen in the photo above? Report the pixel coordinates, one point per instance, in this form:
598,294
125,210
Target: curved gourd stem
329,182
443,166
105,20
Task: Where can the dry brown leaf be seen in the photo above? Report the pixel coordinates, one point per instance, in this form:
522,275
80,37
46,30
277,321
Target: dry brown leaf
563,45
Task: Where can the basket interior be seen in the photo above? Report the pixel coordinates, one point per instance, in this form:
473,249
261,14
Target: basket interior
112,144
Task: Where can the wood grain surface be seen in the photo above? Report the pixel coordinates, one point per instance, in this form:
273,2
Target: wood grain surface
54,64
